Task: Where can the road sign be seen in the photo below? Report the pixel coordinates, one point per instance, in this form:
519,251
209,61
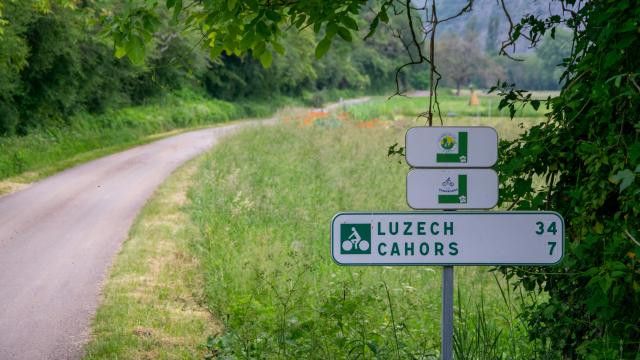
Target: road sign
452,188
453,147
448,238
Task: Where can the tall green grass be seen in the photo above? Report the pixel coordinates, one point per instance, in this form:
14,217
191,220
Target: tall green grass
263,202
86,136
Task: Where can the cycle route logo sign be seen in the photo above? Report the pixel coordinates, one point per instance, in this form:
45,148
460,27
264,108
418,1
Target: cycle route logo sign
355,239
453,147
453,192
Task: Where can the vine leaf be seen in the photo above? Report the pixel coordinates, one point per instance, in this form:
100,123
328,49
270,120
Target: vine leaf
624,177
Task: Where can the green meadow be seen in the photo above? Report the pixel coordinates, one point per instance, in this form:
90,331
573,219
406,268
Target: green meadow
263,202
451,108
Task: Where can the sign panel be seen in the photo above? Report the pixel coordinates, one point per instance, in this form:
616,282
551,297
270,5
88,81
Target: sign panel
455,147
448,238
452,188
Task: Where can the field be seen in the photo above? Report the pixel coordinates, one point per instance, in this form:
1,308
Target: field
263,202
452,107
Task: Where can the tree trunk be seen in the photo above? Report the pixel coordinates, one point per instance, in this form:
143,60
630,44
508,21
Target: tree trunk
457,88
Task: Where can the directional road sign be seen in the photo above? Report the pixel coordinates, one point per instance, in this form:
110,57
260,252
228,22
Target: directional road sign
452,188
448,238
453,147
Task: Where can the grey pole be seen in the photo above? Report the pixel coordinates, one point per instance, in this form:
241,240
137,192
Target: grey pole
446,323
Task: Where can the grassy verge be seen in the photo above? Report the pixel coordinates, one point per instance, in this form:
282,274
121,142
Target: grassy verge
152,299
43,152
263,203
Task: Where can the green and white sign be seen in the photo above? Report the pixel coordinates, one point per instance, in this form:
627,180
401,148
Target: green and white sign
355,239
451,147
452,188
448,238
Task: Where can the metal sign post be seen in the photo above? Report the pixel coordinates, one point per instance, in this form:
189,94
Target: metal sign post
436,148
446,322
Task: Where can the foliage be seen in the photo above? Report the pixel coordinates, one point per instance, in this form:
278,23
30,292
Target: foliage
588,155
54,61
236,27
53,64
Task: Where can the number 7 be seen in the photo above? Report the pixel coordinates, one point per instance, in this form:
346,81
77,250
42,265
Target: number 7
552,245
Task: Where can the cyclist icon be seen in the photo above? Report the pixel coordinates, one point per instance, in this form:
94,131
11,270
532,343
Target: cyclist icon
355,240
354,235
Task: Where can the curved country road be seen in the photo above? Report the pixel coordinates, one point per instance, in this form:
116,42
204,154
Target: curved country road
58,238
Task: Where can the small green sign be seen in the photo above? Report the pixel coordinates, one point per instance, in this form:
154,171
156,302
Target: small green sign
355,238
452,193
453,148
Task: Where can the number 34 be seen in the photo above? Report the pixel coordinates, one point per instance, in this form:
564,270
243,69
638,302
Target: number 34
550,229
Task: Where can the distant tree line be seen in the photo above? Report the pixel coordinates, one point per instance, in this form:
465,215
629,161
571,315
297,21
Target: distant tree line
55,60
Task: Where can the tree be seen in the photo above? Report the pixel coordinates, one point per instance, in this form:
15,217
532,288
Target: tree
492,33
236,27
588,153
461,60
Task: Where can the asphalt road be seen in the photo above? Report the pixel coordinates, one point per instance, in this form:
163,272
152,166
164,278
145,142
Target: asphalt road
59,236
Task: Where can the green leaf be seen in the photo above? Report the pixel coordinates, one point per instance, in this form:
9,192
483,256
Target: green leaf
247,41
634,152
332,28
383,16
258,50
135,50
350,23
612,58
120,52
344,33
266,59
535,104
323,47
301,20
624,178
231,4
177,10
215,52
273,16
372,27
263,29
278,48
